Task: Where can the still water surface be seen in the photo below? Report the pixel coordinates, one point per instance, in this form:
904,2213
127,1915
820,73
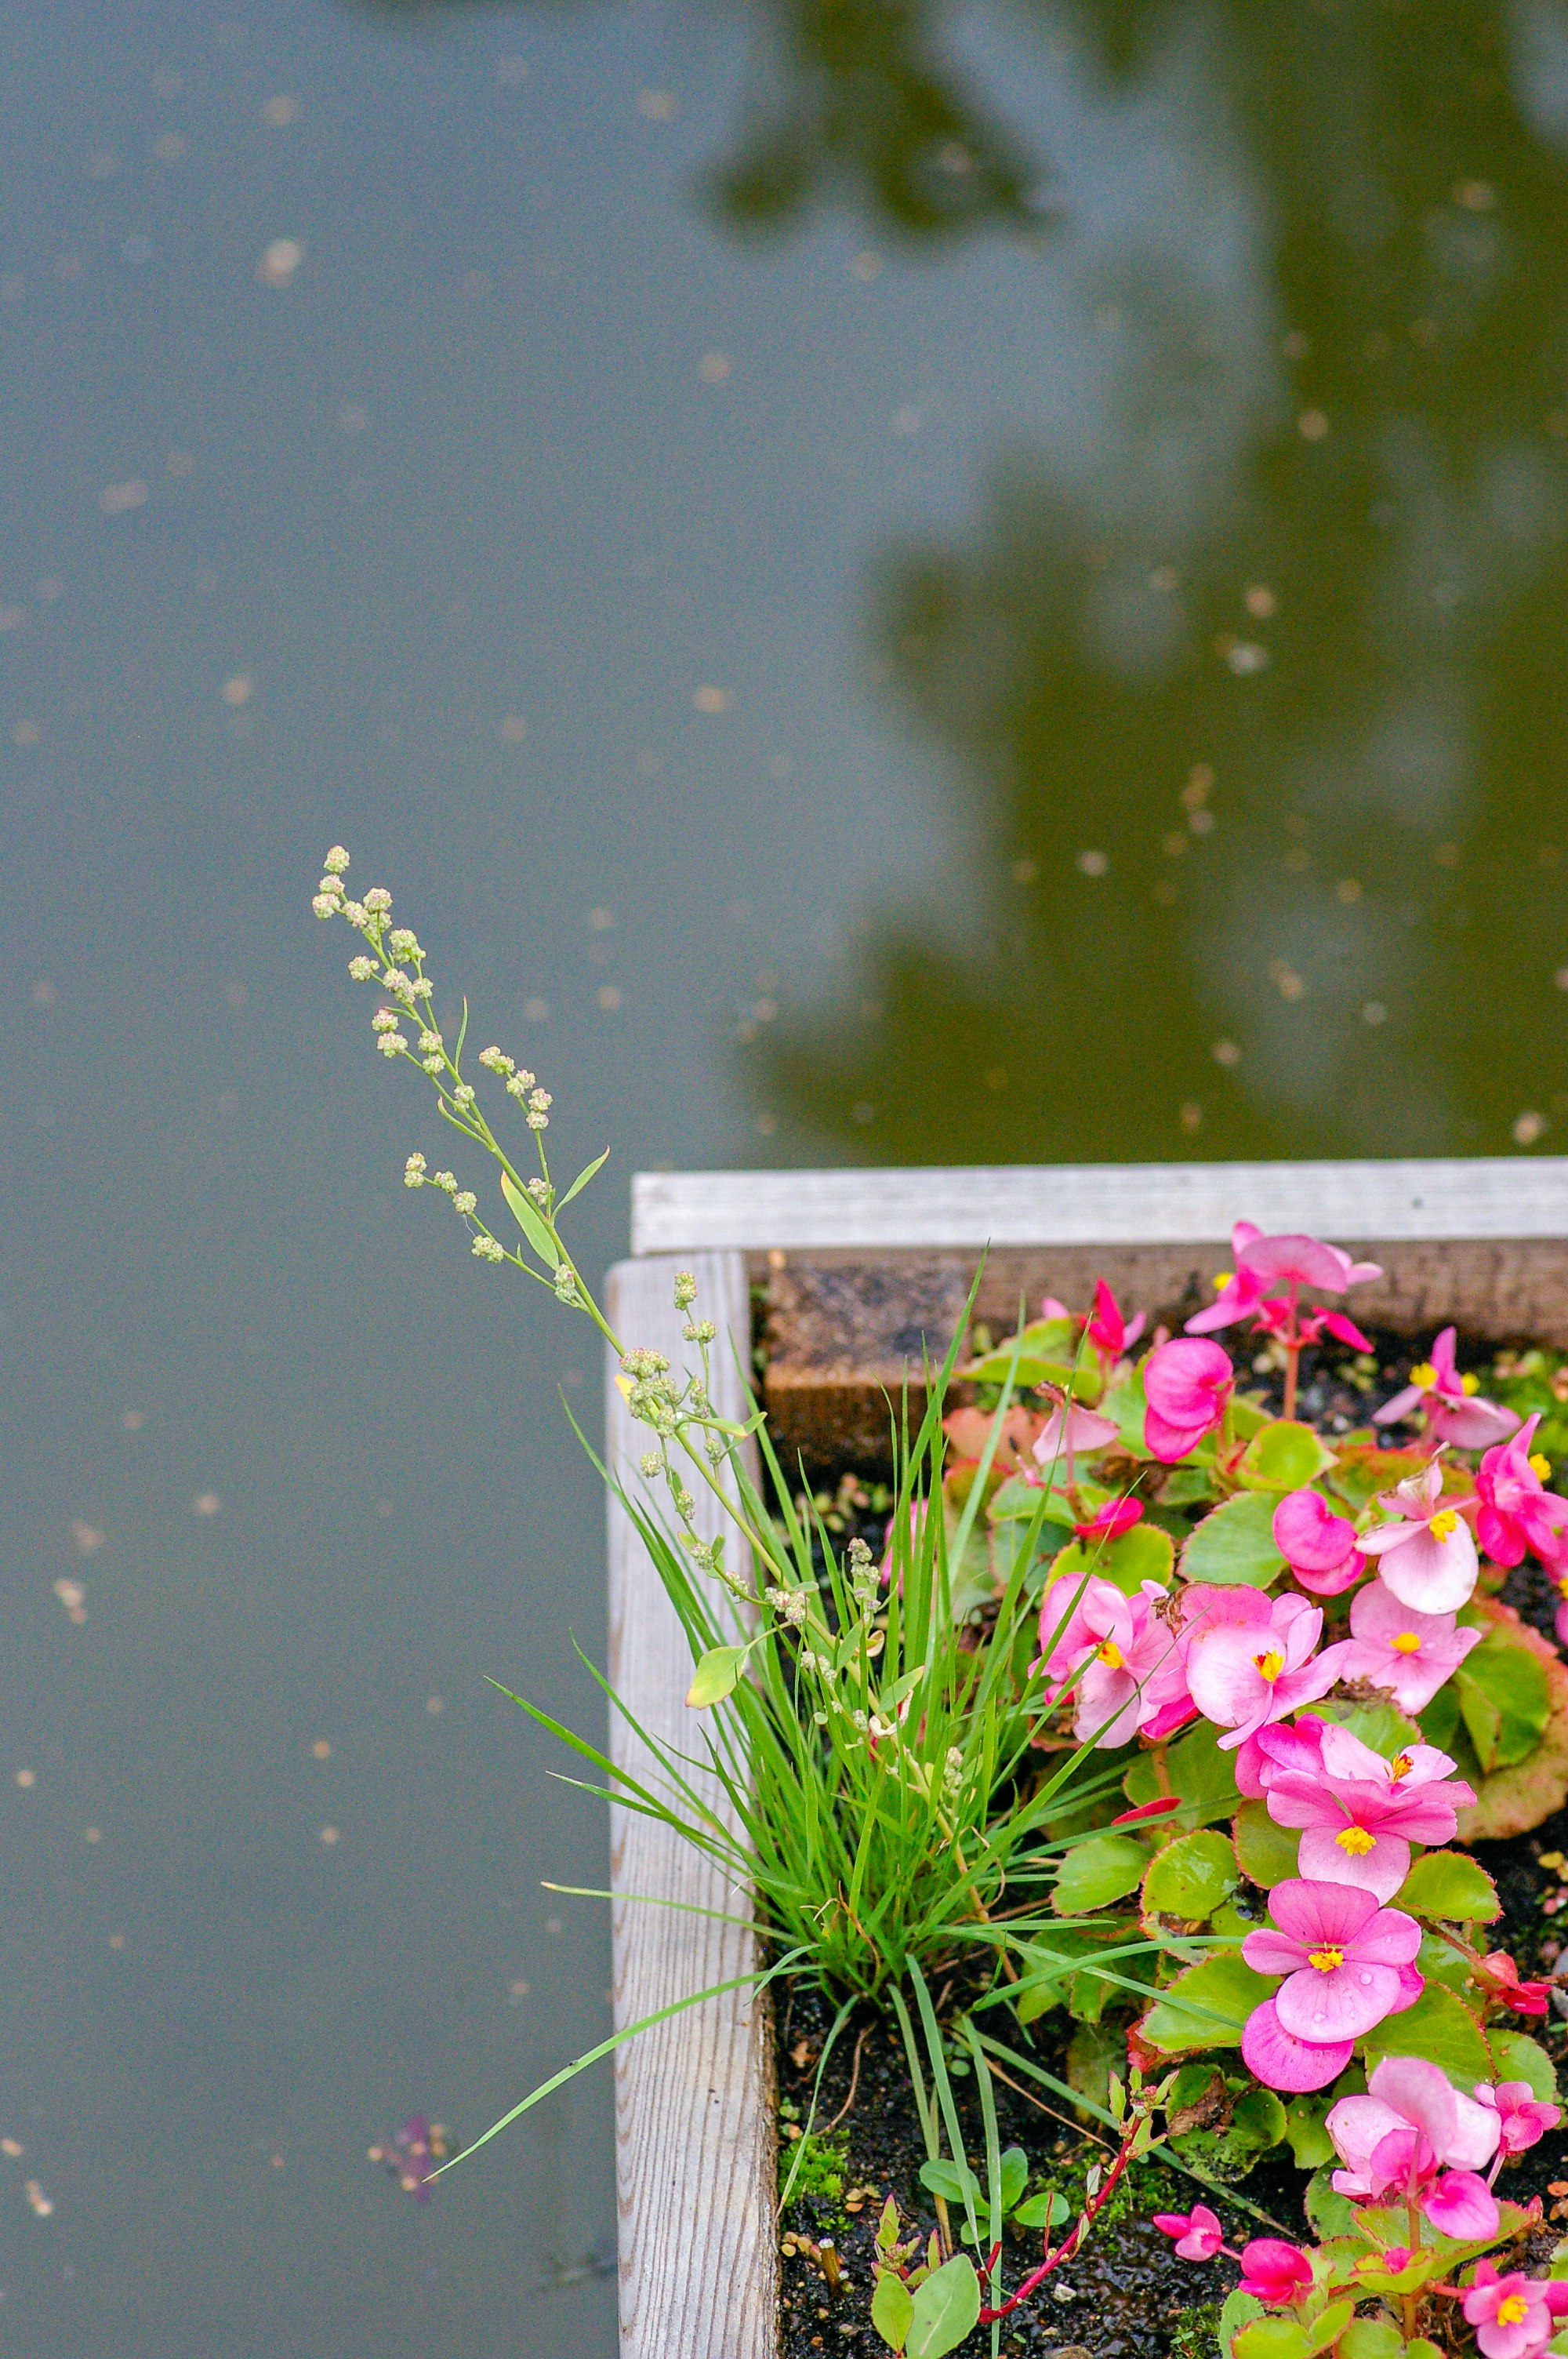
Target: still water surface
880,581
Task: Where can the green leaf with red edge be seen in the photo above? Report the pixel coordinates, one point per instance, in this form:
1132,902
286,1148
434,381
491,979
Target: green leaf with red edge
1361,1471
1446,1884
1438,2026
1190,1878
1234,1547
1505,1702
1520,2058
1283,1456
1267,1852
1270,2338
1206,2006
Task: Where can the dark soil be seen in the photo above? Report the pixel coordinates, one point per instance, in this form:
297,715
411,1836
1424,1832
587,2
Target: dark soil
1125,2296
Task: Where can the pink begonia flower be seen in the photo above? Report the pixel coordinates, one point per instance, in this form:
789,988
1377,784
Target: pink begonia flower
1186,1383
1273,2270
1336,1323
1071,1429
1522,2117
1517,1511
1499,1976
1514,2316
1340,1955
1117,1516
1318,1545
1198,2232
1107,1329
1453,1411
1396,2140
1244,1675
1359,1813
1107,1646
1427,1556
1410,1654
1281,2060
1266,1265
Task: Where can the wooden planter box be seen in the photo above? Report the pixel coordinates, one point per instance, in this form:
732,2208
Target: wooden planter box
864,1269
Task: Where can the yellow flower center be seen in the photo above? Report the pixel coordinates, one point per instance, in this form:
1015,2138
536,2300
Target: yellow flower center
1325,1961
1222,1279
1356,1840
1443,1524
1271,1664
1512,2308
1470,1384
1405,1642
1400,1767
1111,1653
1540,1463
1424,1376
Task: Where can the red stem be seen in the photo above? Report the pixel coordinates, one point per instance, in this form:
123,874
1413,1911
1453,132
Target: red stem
1053,2260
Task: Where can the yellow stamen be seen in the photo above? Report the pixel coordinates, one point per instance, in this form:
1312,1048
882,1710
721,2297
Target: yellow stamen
1400,1767
1356,1842
1111,1653
1540,1463
1470,1384
1405,1642
1443,1524
1223,1278
1512,2308
1424,1376
1325,1961
1271,1664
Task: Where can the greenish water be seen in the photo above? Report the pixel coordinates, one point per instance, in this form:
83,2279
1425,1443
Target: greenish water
880,582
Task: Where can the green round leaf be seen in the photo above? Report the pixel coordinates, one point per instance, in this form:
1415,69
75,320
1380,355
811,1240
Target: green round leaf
1097,1872
1371,2338
1206,2006
1438,2026
1505,1702
1196,1771
715,1677
1191,1877
1283,1456
1234,1547
945,2307
1267,1852
1519,2058
1145,1553
1270,2338
1446,1884
1235,2312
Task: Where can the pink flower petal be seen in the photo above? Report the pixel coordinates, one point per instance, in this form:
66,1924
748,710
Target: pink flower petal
1280,2061
1381,1869
1321,1915
1462,2204
1345,2002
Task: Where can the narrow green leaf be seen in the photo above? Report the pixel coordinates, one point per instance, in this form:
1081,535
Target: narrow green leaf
583,1176
531,1220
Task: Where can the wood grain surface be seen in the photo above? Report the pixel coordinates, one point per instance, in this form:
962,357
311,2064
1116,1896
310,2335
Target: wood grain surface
694,2113
1067,1205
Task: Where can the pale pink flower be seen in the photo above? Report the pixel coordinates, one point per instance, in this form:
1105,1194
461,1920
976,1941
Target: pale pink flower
1109,1647
1522,2117
1427,1555
1341,1956
1514,2316
1359,1813
1517,1511
1301,1261
1186,1383
1075,1432
1243,1675
1198,2232
1273,2270
1395,2141
1410,1654
1454,1410
1318,1545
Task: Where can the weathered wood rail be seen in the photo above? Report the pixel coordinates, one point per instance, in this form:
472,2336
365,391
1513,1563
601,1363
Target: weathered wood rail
863,1272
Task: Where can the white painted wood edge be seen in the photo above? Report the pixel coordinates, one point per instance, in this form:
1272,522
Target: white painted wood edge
971,1207
694,2120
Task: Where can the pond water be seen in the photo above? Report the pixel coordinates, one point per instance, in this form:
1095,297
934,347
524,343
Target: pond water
880,583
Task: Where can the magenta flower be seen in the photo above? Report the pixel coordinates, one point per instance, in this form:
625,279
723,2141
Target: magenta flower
1198,2232
1117,1516
1073,1433
1243,1675
1517,1511
1186,1384
1410,1654
1281,2060
1108,1331
1273,2270
1360,1815
1427,1556
1514,2316
1318,1545
1453,1411
1340,1955
1522,2117
1397,2140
